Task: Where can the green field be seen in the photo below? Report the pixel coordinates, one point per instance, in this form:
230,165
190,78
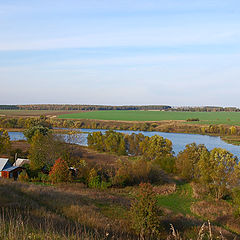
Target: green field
231,118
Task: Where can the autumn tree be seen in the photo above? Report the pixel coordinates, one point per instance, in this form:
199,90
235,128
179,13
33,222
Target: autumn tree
5,143
186,162
145,213
60,172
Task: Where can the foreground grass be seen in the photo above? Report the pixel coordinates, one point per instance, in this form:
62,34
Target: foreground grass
180,201
72,211
231,118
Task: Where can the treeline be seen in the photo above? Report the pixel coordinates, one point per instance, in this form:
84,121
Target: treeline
9,107
155,149
82,107
206,109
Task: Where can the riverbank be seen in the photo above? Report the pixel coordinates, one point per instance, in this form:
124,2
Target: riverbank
224,132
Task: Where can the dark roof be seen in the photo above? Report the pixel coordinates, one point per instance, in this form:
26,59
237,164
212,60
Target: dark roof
10,169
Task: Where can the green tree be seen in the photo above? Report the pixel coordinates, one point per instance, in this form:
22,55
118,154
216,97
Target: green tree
186,162
217,170
29,133
159,150
5,143
44,149
145,213
94,180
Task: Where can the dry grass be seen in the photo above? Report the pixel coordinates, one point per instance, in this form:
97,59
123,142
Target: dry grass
63,207
165,189
217,211
72,211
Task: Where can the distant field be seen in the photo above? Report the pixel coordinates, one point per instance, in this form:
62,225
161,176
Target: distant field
25,113
232,118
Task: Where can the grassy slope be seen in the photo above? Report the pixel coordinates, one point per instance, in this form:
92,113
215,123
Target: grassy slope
180,201
232,118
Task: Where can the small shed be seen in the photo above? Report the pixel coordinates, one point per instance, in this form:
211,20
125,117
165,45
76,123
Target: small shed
11,172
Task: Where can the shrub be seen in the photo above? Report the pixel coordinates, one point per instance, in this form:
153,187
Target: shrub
131,172
43,177
60,172
145,213
236,200
193,120
93,179
23,176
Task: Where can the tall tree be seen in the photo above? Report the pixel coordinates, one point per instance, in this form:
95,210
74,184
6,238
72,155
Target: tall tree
145,213
5,143
217,171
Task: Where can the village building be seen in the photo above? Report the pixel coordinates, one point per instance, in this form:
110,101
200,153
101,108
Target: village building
7,170
21,161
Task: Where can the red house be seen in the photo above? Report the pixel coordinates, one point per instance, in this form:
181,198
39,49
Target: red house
7,170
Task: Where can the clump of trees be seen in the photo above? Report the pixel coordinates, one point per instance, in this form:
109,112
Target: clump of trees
155,149
217,170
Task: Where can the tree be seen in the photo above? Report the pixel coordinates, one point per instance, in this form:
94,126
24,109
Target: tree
145,213
94,180
44,150
60,172
29,133
186,162
159,150
216,171
233,130
5,143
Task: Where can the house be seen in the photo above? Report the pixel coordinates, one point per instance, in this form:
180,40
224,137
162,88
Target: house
7,170
20,162
4,163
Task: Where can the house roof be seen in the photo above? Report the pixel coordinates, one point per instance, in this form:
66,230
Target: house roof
10,169
4,163
20,161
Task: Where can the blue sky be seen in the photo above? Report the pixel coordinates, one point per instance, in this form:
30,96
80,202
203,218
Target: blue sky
176,52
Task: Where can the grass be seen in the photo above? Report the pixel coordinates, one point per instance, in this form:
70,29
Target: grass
72,211
180,201
231,118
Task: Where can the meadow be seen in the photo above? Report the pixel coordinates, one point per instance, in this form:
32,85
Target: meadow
230,118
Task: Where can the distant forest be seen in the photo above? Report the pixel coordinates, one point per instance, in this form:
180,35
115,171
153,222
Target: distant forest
106,107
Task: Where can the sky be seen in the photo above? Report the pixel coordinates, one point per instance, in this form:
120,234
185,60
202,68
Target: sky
120,52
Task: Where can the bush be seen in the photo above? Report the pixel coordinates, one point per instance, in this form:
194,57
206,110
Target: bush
236,200
193,120
23,176
95,181
145,213
131,172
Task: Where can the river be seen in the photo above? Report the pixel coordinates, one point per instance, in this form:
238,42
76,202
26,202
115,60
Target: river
179,140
